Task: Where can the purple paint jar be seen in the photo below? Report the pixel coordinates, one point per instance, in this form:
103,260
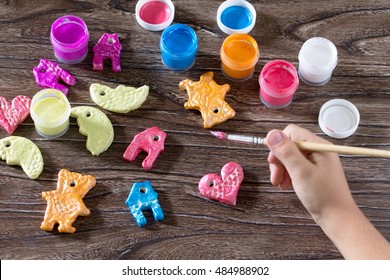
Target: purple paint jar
69,36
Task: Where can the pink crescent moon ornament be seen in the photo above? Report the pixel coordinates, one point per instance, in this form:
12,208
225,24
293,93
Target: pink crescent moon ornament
223,188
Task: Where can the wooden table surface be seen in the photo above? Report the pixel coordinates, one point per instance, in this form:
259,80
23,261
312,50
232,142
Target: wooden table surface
266,223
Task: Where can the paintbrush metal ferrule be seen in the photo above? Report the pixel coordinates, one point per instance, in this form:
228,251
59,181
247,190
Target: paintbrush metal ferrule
245,139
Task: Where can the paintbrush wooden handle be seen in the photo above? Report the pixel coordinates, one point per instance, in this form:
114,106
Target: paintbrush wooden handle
346,150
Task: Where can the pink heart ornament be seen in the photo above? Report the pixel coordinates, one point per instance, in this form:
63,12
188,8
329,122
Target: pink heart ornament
223,188
11,115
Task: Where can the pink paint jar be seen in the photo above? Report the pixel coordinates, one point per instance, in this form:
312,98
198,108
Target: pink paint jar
69,36
278,82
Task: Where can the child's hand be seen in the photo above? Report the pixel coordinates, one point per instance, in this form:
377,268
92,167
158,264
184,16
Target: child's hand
317,178
319,182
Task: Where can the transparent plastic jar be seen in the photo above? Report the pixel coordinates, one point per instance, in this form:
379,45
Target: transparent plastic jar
278,82
178,45
317,60
239,55
50,111
69,36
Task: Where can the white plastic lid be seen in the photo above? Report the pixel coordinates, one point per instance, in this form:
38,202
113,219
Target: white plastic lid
154,15
338,118
244,19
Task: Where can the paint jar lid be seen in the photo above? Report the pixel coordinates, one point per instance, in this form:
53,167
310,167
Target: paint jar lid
236,16
338,118
154,15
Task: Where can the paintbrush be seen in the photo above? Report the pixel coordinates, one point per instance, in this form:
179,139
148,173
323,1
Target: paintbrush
306,146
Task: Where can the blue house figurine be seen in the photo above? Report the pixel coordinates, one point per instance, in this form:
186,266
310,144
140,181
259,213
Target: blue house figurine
143,197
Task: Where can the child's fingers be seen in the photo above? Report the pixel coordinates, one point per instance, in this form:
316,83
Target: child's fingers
272,159
279,176
296,133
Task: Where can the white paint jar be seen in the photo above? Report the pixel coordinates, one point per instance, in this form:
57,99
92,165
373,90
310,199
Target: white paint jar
317,60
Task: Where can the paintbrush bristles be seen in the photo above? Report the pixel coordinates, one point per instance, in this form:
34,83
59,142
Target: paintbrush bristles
219,134
238,138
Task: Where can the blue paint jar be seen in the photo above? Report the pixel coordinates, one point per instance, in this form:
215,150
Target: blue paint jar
178,45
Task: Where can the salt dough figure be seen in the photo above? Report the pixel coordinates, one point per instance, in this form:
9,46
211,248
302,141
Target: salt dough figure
108,46
48,74
151,141
143,197
65,203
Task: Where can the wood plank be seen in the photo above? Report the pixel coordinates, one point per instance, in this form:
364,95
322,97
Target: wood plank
266,223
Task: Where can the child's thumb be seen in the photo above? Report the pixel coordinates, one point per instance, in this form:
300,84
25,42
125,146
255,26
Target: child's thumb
286,151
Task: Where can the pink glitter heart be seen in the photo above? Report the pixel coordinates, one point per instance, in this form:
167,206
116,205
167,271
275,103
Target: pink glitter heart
223,188
11,115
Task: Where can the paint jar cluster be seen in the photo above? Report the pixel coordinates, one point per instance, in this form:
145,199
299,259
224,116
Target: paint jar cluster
279,79
239,52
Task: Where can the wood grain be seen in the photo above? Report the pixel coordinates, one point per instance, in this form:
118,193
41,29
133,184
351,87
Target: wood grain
266,223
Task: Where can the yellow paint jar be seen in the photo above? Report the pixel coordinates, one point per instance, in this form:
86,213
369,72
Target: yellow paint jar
50,111
239,55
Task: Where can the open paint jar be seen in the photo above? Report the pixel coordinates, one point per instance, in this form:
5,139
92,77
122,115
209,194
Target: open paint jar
317,60
50,111
278,82
338,118
239,54
236,16
154,15
69,36
178,45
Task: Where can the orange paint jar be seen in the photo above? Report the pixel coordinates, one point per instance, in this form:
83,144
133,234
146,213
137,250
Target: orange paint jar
239,55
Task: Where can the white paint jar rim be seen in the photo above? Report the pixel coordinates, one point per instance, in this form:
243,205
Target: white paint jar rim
318,65
230,3
157,26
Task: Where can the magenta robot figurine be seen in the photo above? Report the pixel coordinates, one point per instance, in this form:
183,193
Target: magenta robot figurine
48,74
151,141
108,46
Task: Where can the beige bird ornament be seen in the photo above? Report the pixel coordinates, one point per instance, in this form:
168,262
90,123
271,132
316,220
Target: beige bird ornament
122,99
